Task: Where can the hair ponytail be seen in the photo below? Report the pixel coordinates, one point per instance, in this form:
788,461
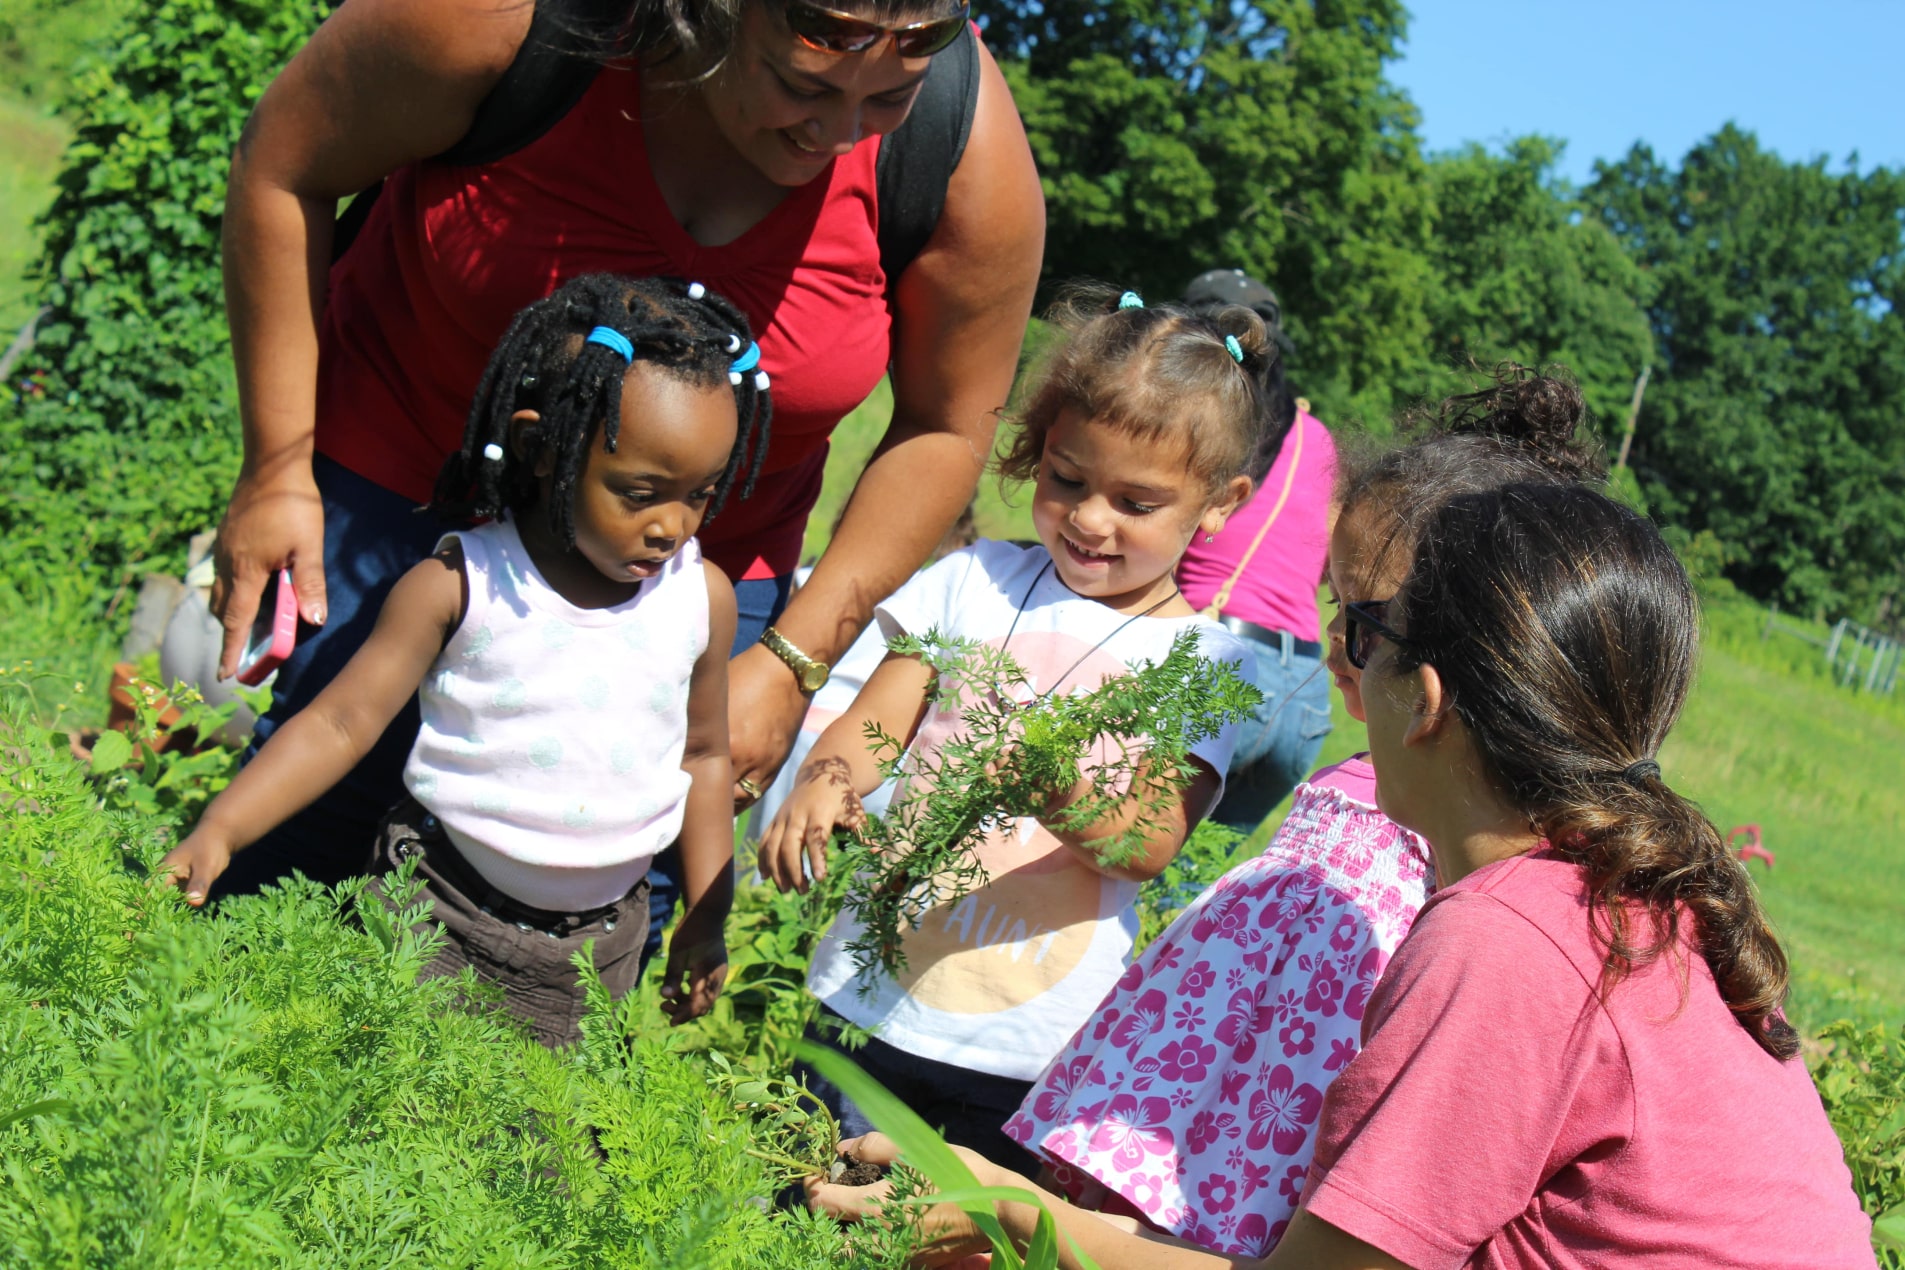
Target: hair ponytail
1564,630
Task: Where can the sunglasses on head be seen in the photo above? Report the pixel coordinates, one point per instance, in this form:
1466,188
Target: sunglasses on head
1363,625
832,32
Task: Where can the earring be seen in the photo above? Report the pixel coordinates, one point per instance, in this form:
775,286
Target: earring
1210,537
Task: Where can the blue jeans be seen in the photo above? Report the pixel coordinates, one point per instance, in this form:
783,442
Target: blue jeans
757,604
1278,744
371,538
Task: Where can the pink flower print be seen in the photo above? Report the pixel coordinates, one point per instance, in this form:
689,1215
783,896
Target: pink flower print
1368,970
1019,1128
1146,1017
1236,1028
1198,1233
1146,1192
1197,980
1297,1037
1291,1187
1232,1086
1234,978
1133,1129
1167,957
1255,1177
1206,1128
1326,991
1133,976
1063,1080
1282,1112
1234,1159
1187,1060
1188,1017
1364,838
1102,1028
1218,1192
1183,1096
1252,1234
1287,1003
1347,934
1211,918
1341,1051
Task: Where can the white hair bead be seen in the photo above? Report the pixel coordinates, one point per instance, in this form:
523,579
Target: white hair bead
696,291
760,380
734,342
493,452
734,377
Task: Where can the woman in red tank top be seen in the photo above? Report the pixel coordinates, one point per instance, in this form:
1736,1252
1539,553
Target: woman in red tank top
734,145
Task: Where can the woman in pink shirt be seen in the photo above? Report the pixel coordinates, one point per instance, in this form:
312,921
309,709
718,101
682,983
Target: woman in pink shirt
1576,1058
1258,575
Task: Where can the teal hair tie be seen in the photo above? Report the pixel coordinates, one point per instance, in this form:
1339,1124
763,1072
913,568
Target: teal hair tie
610,338
746,361
1131,300
1236,349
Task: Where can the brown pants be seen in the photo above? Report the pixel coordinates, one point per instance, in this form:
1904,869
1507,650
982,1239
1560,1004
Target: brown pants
525,950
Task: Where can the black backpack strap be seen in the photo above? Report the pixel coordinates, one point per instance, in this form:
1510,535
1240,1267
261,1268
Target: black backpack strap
551,71
917,161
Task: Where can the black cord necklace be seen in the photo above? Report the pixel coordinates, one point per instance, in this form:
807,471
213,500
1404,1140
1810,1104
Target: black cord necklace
1027,599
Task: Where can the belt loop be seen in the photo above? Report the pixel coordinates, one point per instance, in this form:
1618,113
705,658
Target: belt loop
1288,643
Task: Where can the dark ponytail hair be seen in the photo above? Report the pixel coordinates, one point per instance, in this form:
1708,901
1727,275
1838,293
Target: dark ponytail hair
547,363
1564,630
1526,425
1156,370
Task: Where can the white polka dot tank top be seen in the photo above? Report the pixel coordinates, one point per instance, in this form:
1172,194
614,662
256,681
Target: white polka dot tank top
552,735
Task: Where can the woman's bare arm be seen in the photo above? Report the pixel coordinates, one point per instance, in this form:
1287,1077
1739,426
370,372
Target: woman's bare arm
382,83
962,309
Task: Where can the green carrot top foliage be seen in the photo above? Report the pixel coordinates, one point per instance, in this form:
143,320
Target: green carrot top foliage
1011,760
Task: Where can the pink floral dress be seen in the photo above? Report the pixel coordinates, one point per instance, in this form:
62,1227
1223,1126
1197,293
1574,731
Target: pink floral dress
1194,1091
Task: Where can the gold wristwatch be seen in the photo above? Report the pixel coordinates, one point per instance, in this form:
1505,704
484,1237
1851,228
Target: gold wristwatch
811,674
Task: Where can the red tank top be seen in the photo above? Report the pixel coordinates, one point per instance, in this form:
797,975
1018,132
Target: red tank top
449,254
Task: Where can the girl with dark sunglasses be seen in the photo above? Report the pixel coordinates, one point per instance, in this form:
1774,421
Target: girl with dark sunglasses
1576,1057
733,142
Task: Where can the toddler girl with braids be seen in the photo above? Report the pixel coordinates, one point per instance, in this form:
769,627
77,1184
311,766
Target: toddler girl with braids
570,655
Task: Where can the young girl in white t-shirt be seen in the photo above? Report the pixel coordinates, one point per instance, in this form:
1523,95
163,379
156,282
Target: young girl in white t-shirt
570,656
1137,437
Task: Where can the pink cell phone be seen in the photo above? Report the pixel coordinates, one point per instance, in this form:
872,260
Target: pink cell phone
273,633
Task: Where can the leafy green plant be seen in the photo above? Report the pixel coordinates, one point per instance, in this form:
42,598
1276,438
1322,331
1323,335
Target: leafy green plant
273,1086
138,772
1860,1074
927,1152
1013,760
1206,855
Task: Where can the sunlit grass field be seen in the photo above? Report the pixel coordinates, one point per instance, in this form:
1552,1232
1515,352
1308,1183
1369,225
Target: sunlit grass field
1765,739
30,145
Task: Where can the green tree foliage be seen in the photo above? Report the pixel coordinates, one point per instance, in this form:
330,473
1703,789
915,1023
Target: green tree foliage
1776,417
1179,135
1526,275
42,40
134,444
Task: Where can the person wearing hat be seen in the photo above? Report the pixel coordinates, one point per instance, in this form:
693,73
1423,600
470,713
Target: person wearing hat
1259,576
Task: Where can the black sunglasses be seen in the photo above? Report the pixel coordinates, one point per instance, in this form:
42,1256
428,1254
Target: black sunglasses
1363,625
833,32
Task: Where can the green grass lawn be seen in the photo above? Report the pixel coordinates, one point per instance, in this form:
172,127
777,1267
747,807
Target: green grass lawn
1765,739
30,145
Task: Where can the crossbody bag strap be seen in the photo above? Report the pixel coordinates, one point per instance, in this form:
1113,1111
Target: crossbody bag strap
1216,607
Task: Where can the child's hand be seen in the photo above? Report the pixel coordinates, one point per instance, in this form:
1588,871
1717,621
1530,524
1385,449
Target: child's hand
823,798
194,865
702,957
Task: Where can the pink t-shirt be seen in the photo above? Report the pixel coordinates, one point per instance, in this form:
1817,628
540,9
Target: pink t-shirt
1501,1115
1278,590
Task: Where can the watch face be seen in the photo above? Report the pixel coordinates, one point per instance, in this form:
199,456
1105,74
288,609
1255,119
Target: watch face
813,678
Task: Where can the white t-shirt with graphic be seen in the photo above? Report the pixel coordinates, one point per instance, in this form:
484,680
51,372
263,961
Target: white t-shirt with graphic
998,981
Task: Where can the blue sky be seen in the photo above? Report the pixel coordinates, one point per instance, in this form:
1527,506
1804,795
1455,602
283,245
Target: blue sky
1812,78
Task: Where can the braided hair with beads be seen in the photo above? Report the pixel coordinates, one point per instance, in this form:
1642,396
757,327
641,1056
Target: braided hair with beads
565,358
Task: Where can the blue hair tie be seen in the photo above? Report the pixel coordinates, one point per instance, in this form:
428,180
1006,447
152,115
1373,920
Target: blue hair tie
746,361
610,338
1131,300
1236,349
